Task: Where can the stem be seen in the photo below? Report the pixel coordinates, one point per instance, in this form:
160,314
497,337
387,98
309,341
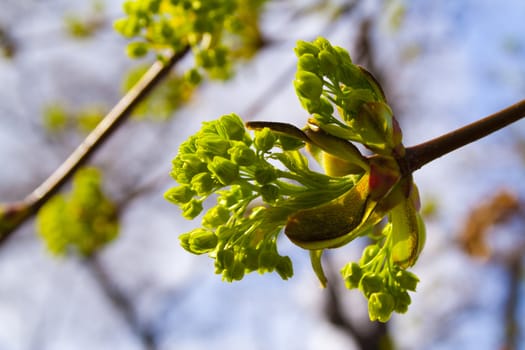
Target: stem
421,154
17,213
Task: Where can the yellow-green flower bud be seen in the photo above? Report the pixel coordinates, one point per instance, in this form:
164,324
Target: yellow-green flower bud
328,62
213,144
137,49
304,47
352,274
265,175
308,63
202,183
179,195
407,280
216,217
371,283
191,209
242,155
233,126
269,193
369,253
380,306
308,85
202,241
224,170
402,301
284,267
264,139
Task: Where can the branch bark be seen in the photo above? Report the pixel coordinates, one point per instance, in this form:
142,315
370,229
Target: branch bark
424,153
12,215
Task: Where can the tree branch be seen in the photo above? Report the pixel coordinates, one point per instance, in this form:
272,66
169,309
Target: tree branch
424,153
12,215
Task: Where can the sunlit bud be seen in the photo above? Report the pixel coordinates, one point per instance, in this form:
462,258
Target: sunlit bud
304,47
308,63
407,280
242,155
352,274
380,306
213,144
233,126
369,253
179,195
328,62
191,209
402,301
308,85
371,283
202,183
215,217
202,241
224,170
408,234
264,139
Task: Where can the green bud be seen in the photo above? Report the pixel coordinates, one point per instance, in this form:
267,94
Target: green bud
224,170
216,217
202,241
233,126
265,175
202,183
352,274
242,155
402,301
191,209
369,253
268,259
193,76
224,260
308,63
328,62
213,144
224,233
264,139
179,195
371,283
128,27
288,143
251,259
380,306
185,241
308,85
269,193
137,49
342,55
407,280
235,272
284,267
304,47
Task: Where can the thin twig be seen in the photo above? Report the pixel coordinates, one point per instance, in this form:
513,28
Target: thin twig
421,154
18,212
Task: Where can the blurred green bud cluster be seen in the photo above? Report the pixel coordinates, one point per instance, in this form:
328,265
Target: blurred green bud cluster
263,184
58,118
81,222
217,31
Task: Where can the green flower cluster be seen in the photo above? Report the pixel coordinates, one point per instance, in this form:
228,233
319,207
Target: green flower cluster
317,211
254,197
326,77
216,30
83,221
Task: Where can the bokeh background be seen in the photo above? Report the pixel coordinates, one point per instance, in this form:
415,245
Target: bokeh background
442,63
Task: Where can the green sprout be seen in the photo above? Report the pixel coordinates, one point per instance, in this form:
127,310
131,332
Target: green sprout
263,185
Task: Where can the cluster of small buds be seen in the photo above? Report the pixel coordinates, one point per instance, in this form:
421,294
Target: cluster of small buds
317,211
213,29
254,197
83,221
